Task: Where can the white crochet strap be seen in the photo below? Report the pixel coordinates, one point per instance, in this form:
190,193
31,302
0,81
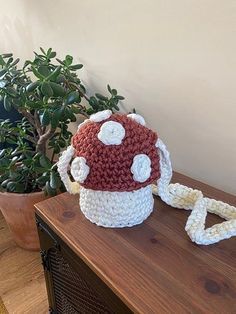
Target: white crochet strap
63,167
180,196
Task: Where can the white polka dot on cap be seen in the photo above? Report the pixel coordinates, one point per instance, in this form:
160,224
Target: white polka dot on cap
79,169
100,116
141,168
137,117
111,133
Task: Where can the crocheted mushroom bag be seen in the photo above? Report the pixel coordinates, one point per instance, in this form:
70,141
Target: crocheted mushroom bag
116,161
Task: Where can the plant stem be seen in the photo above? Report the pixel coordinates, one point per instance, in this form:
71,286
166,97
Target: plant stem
79,89
37,123
27,115
82,110
82,93
52,158
41,144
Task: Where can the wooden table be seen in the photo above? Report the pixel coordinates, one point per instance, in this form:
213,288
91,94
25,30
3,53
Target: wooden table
153,267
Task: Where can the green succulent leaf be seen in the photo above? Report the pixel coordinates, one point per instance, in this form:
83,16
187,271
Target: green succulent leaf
116,107
54,122
11,186
56,149
109,89
7,103
101,97
2,62
45,162
54,74
90,111
73,97
5,182
7,55
3,83
82,88
72,117
27,62
45,117
15,62
58,90
60,78
32,86
43,51
55,181
19,187
58,113
59,61
36,73
2,72
120,97
75,109
49,51
46,89
11,91
9,61
52,55
75,67
93,102
44,70
68,60
62,143
11,141
49,190
2,152
42,180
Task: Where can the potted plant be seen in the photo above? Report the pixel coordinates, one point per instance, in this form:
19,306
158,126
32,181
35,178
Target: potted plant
47,92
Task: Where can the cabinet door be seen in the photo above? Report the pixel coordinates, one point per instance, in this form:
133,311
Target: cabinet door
72,286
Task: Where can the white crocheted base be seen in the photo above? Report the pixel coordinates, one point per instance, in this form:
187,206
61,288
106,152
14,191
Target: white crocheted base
116,209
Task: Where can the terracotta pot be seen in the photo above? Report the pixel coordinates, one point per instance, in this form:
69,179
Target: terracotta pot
19,213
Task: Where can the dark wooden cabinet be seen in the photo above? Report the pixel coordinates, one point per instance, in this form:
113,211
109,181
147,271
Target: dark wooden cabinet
71,285
150,268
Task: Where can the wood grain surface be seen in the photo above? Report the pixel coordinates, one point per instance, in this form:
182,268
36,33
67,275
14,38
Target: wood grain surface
22,285
153,267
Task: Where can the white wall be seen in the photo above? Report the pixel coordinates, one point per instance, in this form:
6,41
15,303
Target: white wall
174,61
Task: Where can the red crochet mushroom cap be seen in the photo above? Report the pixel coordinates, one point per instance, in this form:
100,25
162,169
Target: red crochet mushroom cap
110,165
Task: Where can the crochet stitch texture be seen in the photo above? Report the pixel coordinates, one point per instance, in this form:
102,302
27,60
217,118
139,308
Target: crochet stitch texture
110,165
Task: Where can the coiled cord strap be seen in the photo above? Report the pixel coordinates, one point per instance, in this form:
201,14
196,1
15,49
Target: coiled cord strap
63,167
180,196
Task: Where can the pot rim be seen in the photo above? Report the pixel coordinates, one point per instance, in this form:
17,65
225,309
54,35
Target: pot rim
21,194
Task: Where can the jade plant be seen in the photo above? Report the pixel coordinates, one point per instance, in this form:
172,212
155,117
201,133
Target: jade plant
47,92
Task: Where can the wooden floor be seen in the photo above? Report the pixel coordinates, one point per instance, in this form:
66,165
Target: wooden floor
22,286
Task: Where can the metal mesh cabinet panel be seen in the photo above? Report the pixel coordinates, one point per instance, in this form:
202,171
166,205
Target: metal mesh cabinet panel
72,293
72,286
